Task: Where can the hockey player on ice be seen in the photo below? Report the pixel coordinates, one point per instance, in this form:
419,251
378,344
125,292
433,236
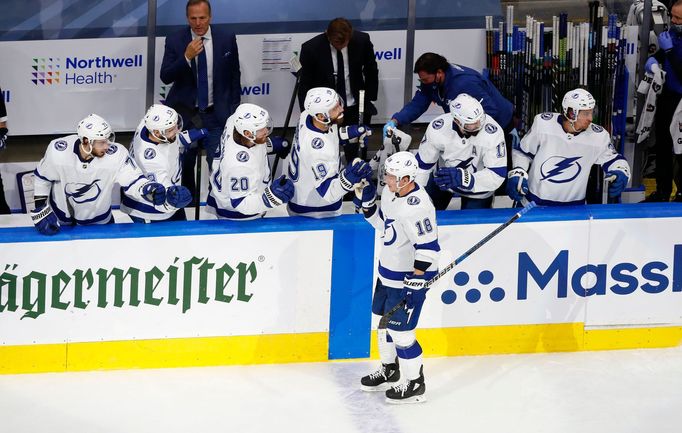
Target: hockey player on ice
240,186
315,163
472,147
408,259
157,148
74,180
553,161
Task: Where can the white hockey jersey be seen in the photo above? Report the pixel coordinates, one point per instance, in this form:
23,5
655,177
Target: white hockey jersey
238,180
560,162
80,191
160,162
483,154
314,165
409,231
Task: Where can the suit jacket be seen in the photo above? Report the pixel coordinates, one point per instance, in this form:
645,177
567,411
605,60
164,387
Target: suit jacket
318,69
226,76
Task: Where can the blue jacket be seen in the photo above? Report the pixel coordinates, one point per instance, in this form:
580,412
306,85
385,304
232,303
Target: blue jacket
458,79
226,76
672,64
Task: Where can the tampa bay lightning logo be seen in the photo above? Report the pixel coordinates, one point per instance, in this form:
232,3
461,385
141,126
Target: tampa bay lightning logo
597,128
83,192
317,143
559,169
546,116
388,225
149,153
437,124
242,156
490,128
112,149
413,200
60,145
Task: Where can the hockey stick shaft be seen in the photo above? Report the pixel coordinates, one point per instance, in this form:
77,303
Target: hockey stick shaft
361,113
480,243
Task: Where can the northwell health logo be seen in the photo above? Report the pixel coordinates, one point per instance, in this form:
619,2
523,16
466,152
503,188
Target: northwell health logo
45,71
67,71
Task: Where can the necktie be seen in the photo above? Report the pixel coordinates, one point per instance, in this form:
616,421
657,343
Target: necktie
202,80
340,76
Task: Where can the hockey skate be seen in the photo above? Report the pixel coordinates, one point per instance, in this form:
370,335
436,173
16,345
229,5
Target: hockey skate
381,379
410,391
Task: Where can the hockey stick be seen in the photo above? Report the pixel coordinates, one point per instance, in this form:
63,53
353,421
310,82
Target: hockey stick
383,322
361,114
295,64
197,193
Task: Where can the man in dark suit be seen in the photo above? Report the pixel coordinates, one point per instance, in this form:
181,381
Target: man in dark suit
342,59
202,62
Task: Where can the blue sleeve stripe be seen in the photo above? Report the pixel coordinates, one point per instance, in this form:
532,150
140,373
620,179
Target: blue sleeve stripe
36,173
125,188
433,246
424,165
500,171
142,207
606,165
236,202
324,186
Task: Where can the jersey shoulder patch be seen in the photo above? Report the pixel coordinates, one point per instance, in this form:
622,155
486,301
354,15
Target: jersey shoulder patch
437,124
413,200
149,153
490,128
317,143
60,145
597,128
546,116
113,148
242,156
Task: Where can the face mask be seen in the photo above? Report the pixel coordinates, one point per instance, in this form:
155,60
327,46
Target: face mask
677,28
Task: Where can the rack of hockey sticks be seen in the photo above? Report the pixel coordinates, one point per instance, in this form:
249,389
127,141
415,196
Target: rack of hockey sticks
533,67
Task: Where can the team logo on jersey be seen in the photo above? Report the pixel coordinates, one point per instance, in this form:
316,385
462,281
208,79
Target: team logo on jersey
60,145
242,156
149,153
388,224
317,143
546,116
490,128
597,128
82,192
112,149
559,169
437,124
413,200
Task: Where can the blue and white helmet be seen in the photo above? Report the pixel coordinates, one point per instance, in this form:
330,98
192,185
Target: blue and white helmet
94,127
321,100
576,100
402,164
468,112
160,120
250,118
